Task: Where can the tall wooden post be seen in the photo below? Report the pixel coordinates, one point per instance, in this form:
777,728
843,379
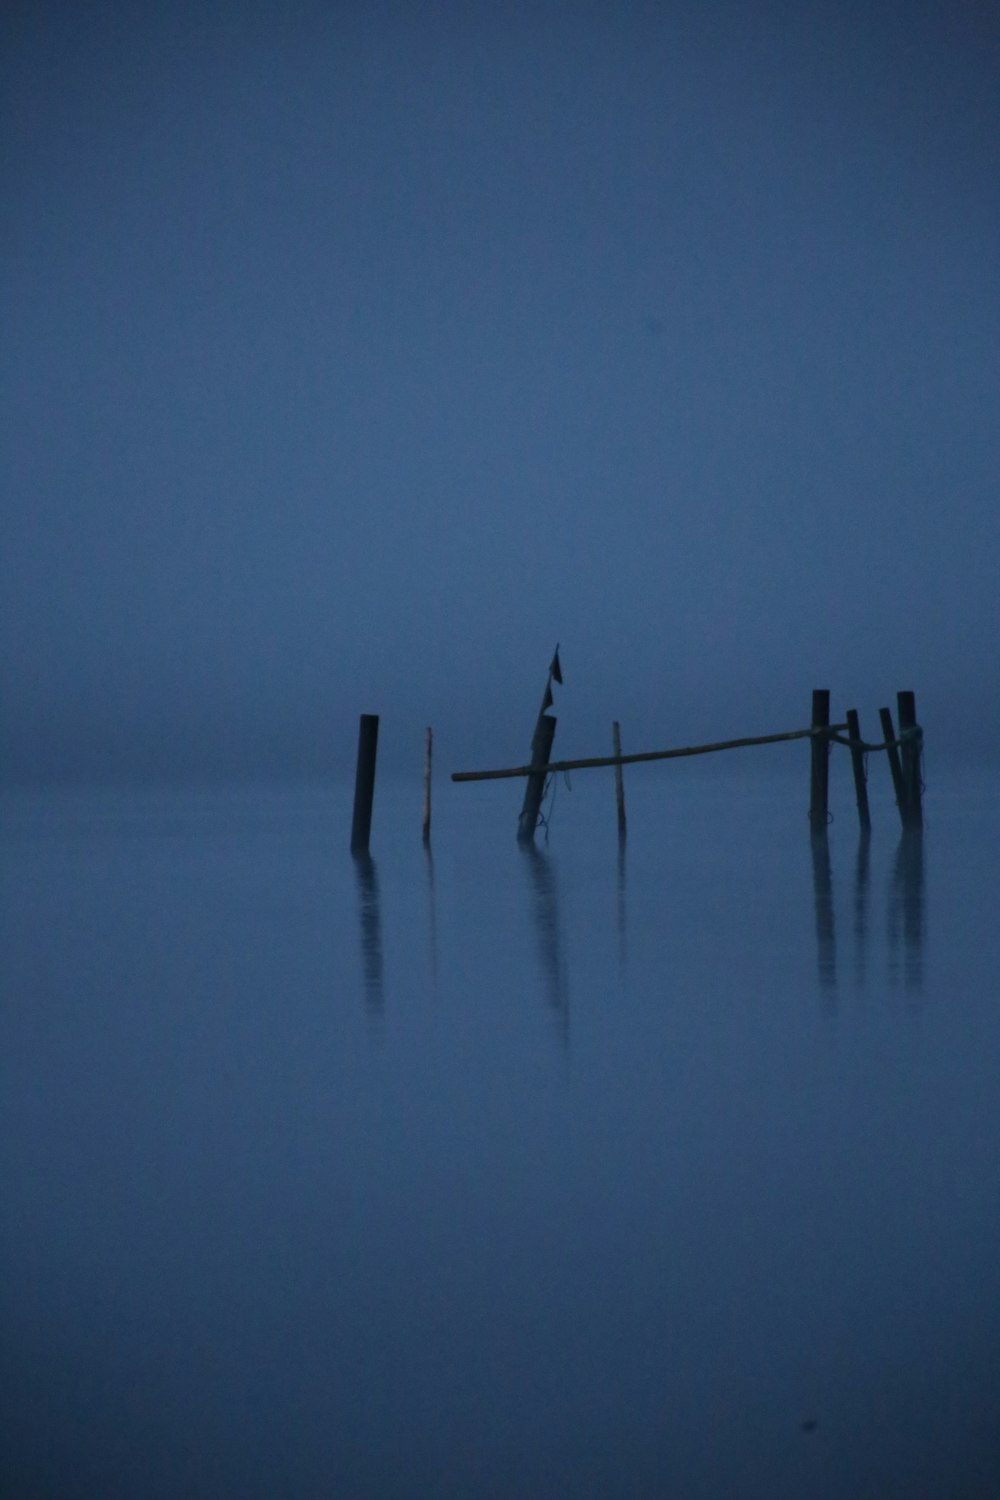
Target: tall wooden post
541,754
819,780
889,735
858,766
911,738
364,783
616,746
428,752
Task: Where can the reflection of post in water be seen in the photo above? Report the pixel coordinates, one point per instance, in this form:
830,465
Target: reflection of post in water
906,909
431,908
546,905
371,933
620,906
826,950
861,880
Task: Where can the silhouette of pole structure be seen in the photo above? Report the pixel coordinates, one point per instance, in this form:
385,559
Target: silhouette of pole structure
616,745
541,749
819,766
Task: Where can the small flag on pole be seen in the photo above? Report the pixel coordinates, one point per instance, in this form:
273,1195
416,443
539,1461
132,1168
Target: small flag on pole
555,671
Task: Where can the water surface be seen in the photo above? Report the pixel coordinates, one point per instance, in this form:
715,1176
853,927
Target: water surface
583,1171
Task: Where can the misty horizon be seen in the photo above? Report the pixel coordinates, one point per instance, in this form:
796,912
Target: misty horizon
353,357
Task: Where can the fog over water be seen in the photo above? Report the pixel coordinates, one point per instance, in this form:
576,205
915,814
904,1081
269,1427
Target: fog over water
353,355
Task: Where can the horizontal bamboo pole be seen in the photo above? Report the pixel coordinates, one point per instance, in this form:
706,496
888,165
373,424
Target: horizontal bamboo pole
631,760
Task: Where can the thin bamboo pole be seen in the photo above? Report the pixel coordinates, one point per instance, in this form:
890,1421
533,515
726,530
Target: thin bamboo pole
892,753
594,761
858,765
428,752
616,744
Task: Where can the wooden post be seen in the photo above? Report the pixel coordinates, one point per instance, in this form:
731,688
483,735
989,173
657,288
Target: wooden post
911,737
541,748
819,780
428,751
858,765
541,754
364,783
889,735
616,745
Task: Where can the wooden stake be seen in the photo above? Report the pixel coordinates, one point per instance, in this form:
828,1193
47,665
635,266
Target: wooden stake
364,783
819,779
889,735
858,766
616,745
541,751
910,736
541,748
428,752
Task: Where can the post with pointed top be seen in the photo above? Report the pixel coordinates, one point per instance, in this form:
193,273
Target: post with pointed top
616,745
541,754
428,752
819,780
911,742
364,783
858,766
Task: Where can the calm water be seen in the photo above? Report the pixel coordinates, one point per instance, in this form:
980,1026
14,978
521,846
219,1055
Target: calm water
564,1174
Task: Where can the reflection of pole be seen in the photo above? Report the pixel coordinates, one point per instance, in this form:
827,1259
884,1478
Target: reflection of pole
823,896
913,907
428,751
546,904
621,903
371,932
616,746
907,906
364,783
861,904
431,909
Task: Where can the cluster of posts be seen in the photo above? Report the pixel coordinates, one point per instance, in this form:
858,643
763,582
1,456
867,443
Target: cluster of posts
903,751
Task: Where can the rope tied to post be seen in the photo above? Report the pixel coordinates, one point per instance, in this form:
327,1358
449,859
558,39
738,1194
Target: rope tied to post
905,736
549,791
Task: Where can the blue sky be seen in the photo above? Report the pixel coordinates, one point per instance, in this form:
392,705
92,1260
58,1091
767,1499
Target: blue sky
355,354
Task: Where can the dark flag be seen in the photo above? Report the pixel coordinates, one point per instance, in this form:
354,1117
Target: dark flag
548,700
555,671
